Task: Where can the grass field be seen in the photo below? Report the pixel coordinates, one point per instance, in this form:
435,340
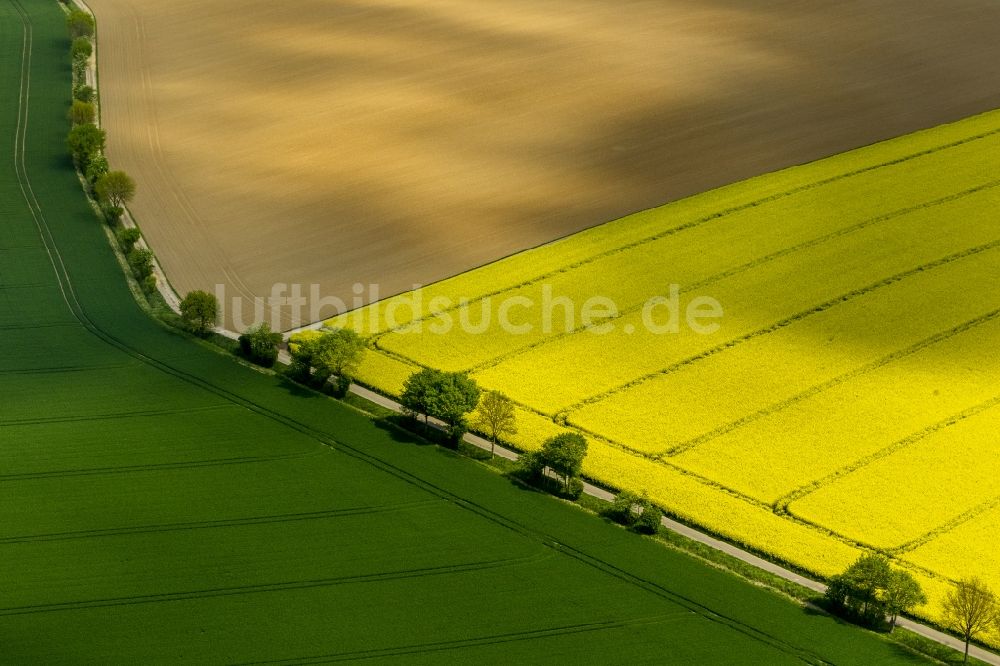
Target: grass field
161,503
849,398
399,142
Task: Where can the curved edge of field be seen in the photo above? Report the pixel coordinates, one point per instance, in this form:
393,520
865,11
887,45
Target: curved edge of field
105,313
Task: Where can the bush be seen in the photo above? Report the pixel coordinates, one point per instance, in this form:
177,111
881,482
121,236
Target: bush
342,384
97,166
81,113
127,238
141,261
149,284
530,467
113,214
573,489
81,49
80,24
636,512
648,522
84,93
622,510
260,345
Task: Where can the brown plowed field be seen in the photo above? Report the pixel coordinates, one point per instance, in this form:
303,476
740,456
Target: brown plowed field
402,141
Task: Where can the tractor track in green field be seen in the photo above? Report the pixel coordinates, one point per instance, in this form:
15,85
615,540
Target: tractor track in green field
111,415
78,311
64,369
221,523
490,639
153,467
32,327
237,590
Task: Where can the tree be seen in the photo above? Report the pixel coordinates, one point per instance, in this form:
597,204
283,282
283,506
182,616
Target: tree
457,394
970,609
564,455
84,141
419,390
859,591
318,355
338,353
199,310
115,188
80,24
448,396
495,416
81,49
902,593
260,344
301,349
81,113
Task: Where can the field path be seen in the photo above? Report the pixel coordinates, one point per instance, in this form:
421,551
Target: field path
398,142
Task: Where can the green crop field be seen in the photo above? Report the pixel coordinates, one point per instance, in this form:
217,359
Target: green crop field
160,502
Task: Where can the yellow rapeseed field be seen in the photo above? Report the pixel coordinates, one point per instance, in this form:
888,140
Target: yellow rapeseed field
849,398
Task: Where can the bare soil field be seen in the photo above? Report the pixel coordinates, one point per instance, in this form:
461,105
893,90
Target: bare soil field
399,142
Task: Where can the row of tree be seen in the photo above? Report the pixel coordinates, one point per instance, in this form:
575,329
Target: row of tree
86,142
873,593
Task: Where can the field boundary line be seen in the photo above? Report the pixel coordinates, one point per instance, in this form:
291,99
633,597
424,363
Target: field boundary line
784,501
782,504
868,368
787,321
944,528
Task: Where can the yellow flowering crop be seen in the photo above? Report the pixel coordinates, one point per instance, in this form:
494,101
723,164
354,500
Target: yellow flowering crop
819,435
712,394
938,479
847,401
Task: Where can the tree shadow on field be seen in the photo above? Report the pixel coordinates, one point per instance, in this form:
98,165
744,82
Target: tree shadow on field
936,651
396,427
64,162
298,390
